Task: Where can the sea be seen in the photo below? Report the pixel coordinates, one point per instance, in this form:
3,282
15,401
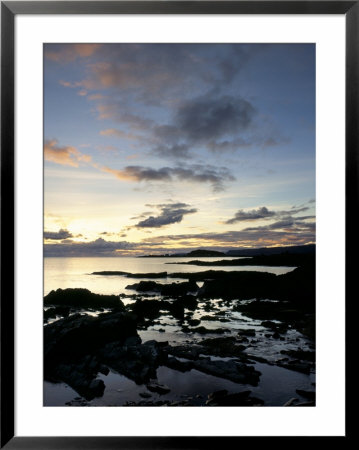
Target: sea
77,272
277,385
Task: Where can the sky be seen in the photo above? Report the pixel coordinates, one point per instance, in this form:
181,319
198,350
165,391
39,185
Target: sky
153,148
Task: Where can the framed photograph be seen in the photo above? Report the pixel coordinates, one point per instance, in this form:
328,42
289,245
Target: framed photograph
176,184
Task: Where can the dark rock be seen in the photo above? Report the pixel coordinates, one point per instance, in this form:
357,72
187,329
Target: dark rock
296,366
222,346
131,341
104,370
82,298
96,387
290,402
145,286
310,395
211,318
176,289
145,395
230,370
194,322
222,398
247,332
300,354
269,324
68,338
188,352
63,311
148,308
159,388
216,394
137,362
49,314
204,330
173,289
81,377
159,344
176,364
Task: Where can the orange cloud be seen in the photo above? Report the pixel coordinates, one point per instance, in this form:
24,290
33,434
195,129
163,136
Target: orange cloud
70,52
118,133
66,155
121,174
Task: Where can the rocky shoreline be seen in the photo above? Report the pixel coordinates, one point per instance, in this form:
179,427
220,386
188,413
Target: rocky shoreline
87,335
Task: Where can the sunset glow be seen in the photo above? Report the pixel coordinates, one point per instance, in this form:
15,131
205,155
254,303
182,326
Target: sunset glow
159,148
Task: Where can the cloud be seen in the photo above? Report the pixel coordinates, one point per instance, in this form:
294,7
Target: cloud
155,69
57,235
118,133
246,238
262,213
65,155
254,214
70,84
204,118
70,156
164,76
197,173
115,111
177,151
288,223
99,247
217,123
66,53
170,213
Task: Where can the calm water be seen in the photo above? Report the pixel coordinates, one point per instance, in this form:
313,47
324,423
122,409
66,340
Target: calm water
277,385
76,272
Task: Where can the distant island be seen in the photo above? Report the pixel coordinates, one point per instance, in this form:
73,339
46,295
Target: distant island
203,253
197,253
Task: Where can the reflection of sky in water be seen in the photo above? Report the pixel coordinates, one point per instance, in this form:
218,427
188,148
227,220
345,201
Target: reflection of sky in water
75,272
277,386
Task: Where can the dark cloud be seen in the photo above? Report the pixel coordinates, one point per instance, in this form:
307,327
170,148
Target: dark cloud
254,214
230,67
165,76
205,118
217,123
288,223
177,151
251,237
57,235
216,176
170,213
263,213
99,247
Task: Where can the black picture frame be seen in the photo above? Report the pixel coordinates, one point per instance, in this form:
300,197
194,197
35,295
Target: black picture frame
9,9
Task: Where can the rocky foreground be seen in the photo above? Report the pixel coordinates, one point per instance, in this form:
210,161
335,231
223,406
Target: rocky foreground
79,346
